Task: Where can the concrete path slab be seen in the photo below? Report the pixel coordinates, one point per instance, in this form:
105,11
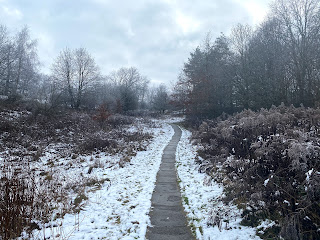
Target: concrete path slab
168,218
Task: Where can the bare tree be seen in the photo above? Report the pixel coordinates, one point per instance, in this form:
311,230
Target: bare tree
301,24
142,92
160,99
4,43
131,87
87,72
127,77
240,37
18,62
63,73
77,72
181,93
26,63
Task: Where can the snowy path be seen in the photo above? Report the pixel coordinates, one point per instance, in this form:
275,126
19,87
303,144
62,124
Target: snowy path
119,210
167,216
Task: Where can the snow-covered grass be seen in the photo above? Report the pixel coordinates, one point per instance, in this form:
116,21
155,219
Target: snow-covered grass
208,217
119,208
80,180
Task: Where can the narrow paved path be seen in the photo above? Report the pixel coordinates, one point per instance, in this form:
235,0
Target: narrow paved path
167,215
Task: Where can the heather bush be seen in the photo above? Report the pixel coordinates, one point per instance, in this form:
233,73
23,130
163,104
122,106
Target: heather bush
96,142
119,120
269,163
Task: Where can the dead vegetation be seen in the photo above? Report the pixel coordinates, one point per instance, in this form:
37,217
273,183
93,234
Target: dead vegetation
48,162
269,164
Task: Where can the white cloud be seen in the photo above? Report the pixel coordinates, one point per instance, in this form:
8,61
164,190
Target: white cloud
258,10
186,23
47,50
12,12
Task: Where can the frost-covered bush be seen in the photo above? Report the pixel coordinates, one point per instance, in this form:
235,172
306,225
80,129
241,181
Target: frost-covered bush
269,163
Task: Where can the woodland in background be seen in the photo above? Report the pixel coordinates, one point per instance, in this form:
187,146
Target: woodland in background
75,80
278,62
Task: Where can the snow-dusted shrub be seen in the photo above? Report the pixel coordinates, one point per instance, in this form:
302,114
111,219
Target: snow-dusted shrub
16,203
26,201
118,120
269,162
102,115
96,142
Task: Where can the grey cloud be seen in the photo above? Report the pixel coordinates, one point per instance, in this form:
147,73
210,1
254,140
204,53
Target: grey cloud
142,33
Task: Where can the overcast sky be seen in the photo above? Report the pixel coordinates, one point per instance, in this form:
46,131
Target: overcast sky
156,36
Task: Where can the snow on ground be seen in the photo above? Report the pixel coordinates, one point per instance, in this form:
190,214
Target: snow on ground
119,210
173,119
201,199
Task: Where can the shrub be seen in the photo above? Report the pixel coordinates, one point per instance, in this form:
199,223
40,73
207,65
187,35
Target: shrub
96,142
17,205
118,120
270,159
102,115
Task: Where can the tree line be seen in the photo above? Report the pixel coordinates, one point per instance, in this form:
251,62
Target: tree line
75,80
278,62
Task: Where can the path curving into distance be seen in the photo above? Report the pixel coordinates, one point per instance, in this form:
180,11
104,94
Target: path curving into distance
167,216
